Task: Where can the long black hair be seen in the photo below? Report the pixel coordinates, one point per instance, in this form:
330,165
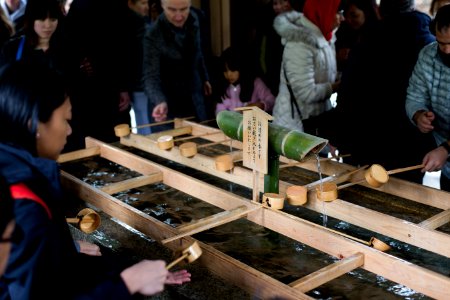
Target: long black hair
29,93
41,10
235,59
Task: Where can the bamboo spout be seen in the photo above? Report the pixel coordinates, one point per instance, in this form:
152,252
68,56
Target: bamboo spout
292,144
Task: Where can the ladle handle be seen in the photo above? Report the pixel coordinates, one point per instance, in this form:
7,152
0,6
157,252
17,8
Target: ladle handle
72,220
321,160
214,143
161,123
176,261
196,136
348,236
342,186
399,170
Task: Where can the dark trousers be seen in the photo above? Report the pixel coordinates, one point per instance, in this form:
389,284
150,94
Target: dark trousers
445,183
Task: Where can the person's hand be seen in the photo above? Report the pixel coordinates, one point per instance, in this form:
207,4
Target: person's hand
160,112
178,277
89,248
146,277
333,150
342,54
257,104
424,120
207,88
335,85
86,67
435,159
124,101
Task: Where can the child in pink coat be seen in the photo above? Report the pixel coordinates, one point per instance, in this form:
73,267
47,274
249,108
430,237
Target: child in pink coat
241,87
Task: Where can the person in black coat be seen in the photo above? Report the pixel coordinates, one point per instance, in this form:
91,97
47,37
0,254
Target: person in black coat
175,75
372,124
97,56
45,263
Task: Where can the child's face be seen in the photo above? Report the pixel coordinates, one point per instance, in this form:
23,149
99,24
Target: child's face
231,76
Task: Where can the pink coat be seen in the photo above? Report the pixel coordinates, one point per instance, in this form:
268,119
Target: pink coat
261,93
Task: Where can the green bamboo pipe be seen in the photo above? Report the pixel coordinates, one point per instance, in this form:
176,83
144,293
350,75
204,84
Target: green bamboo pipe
292,144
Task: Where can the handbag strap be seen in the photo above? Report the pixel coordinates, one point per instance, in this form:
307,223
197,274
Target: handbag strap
20,191
292,98
20,48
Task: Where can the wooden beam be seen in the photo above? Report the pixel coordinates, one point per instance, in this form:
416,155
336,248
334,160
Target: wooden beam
436,220
396,228
132,183
225,266
211,222
432,284
405,189
79,154
200,162
328,273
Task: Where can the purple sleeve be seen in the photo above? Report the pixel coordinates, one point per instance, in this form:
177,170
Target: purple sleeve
261,93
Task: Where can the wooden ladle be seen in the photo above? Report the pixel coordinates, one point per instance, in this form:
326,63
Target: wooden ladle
273,200
373,242
87,219
376,175
190,254
296,195
226,162
327,192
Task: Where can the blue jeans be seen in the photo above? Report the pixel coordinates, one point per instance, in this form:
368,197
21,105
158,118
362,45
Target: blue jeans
142,111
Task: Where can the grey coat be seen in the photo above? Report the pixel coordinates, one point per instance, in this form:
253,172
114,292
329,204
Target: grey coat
429,89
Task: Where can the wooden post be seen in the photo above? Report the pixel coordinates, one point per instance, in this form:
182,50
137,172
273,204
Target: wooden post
255,140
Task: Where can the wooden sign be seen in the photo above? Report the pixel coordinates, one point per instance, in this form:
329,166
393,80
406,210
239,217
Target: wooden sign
255,138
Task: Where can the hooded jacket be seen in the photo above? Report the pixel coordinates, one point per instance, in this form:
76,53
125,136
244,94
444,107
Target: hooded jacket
45,263
308,66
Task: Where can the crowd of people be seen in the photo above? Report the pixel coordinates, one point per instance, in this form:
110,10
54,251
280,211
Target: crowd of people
69,70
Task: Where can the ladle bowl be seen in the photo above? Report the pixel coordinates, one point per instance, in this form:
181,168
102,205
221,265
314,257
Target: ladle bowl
188,149
376,175
122,130
165,142
327,191
296,195
190,254
379,245
224,162
87,219
273,200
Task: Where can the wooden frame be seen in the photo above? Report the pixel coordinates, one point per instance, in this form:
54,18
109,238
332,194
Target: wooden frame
353,254
420,235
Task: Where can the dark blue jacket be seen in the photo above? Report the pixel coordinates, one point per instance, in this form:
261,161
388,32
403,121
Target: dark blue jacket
45,263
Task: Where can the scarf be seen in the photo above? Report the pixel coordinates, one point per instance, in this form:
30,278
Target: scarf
322,13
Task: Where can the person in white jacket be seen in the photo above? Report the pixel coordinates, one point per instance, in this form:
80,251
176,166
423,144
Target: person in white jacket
308,72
